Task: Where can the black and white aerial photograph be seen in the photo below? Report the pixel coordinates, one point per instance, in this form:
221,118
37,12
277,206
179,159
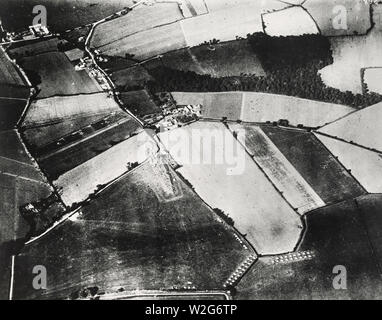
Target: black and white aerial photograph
197,150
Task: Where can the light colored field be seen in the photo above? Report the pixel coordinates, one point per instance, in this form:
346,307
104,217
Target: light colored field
79,183
351,54
365,165
141,18
235,185
278,169
262,107
58,76
223,25
373,79
362,127
20,183
326,13
8,72
294,21
149,43
57,108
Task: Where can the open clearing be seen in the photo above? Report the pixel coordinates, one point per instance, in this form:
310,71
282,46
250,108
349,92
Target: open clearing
58,76
79,183
346,234
62,15
294,21
50,110
327,15
8,72
141,18
351,54
320,169
227,178
231,58
129,238
362,127
373,79
278,169
365,165
139,102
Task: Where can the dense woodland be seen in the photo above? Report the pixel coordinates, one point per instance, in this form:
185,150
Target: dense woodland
291,65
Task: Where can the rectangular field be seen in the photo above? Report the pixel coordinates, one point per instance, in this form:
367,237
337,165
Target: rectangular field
141,18
32,48
55,109
331,181
58,76
262,107
278,169
149,43
131,237
225,177
79,183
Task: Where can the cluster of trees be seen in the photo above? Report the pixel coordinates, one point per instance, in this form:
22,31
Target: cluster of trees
291,65
224,216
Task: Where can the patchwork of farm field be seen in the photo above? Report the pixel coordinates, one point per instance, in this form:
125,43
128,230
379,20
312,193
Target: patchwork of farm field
361,127
58,76
263,107
351,54
141,18
277,168
54,109
232,58
76,185
345,234
127,238
365,165
79,151
62,15
225,177
320,169
8,71
139,102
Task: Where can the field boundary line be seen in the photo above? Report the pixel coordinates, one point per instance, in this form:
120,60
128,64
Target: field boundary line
11,282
